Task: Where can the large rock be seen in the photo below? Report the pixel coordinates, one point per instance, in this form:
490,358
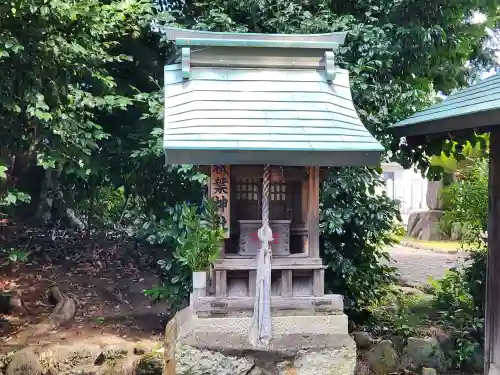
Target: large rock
433,196
24,362
382,358
412,222
363,340
340,361
193,361
424,225
151,364
113,352
5,360
423,352
64,359
444,340
456,232
363,368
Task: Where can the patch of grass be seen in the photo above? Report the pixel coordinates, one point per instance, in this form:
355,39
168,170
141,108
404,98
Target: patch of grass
446,246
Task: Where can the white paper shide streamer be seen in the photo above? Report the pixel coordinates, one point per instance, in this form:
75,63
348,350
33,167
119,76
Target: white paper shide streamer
261,329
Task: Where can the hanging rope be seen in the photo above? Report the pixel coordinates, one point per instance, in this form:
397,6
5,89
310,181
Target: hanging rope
261,329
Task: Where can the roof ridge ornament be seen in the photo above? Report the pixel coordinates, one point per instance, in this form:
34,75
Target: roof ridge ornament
330,66
186,62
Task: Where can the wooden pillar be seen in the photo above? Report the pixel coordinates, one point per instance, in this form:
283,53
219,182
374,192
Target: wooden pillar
221,283
252,283
492,318
304,190
312,218
319,283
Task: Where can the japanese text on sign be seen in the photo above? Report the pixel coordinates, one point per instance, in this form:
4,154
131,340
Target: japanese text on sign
220,187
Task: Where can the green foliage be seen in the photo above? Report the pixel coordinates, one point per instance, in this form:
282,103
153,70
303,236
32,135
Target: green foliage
199,245
16,255
357,224
400,314
459,299
461,160
468,203
399,230
9,196
53,84
461,315
194,231
81,96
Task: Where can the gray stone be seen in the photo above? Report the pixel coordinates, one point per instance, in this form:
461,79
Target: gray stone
63,358
192,361
444,340
428,371
412,222
398,343
24,362
140,350
111,352
82,370
257,371
433,196
382,358
340,361
456,232
363,340
426,226
423,352
5,360
363,368
430,233
152,364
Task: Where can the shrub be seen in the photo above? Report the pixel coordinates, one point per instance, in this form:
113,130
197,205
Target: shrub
468,203
460,304
199,244
190,235
357,226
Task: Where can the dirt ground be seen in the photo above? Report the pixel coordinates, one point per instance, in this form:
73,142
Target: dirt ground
105,277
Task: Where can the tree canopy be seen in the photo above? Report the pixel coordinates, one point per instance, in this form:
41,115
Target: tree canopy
81,106
400,53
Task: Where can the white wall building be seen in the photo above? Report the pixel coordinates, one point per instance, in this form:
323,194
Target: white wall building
407,186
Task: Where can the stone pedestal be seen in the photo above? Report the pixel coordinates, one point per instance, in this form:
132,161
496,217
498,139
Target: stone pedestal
301,345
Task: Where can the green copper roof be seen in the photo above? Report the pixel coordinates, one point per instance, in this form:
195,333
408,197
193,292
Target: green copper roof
473,107
261,110
280,104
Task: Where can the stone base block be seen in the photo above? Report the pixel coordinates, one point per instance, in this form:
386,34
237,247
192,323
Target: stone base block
301,345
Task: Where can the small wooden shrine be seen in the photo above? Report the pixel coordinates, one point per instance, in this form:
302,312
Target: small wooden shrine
265,115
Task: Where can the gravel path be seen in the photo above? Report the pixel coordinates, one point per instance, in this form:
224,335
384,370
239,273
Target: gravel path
416,265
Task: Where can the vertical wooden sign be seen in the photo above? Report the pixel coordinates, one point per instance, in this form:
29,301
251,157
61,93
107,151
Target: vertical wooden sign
220,188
